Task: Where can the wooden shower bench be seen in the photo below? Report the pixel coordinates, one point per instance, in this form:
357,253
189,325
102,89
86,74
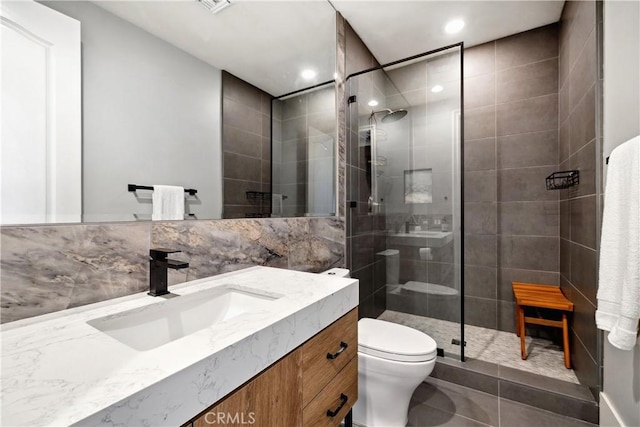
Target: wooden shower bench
541,296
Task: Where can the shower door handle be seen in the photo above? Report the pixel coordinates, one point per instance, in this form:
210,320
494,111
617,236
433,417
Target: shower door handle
373,206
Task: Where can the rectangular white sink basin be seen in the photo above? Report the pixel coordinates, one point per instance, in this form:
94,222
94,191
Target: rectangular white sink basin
151,326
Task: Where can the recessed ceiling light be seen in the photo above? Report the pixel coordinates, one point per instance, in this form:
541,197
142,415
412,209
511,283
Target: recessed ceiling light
373,103
308,74
454,26
437,88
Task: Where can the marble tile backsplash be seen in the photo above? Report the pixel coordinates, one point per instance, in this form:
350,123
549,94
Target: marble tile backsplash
49,268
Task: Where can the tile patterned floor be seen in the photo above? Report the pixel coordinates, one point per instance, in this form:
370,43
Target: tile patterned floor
503,348
440,403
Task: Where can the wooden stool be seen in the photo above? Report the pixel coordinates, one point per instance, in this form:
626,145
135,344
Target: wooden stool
541,296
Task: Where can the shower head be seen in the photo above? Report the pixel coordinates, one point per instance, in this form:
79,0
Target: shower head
394,116
391,115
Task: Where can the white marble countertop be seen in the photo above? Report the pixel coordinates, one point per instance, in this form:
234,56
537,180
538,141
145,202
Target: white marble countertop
58,370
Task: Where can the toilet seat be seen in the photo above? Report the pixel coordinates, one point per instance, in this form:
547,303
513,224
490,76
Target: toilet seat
392,341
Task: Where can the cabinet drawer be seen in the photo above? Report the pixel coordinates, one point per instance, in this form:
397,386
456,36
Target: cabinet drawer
338,397
327,353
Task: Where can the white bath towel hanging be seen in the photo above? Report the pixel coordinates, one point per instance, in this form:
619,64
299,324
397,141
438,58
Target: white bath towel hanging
168,202
619,280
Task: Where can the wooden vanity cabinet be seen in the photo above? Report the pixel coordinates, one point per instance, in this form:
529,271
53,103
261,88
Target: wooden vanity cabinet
314,385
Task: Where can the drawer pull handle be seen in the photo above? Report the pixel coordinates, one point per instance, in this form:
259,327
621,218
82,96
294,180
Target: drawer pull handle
343,401
343,347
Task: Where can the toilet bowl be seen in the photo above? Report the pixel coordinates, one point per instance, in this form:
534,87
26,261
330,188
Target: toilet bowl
392,362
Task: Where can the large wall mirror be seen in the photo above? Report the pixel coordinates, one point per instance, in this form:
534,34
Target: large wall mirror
99,95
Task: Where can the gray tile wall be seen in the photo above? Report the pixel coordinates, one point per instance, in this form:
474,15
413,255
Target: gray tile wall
294,120
246,147
50,268
365,233
512,223
580,143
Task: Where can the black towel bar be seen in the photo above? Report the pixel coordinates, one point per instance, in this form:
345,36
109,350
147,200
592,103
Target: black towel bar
134,187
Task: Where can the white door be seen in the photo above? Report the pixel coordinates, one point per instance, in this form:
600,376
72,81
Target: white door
41,115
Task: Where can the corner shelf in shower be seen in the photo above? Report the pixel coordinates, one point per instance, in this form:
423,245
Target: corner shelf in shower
563,179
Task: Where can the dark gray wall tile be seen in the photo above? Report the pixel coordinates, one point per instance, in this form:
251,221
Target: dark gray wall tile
528,149
564,141
365,278
528,115
584,161
480,186
583,121
480,123
565,220
526,81
506,316
582,26
525,184
583,221
294,107
583,323
480,218
479,91
586,369
239,141
362,251
563,103
527,47
240,116
479,60
583,270
235,191
529,218
242,167
480,154
530,253
480,250
583,73
565,258
241,91
506,276
480,281
480,312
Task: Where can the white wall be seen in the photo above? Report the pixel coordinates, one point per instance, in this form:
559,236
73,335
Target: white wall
620,400
151,115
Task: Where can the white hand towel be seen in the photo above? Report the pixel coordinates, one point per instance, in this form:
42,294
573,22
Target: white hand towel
619,282
168,202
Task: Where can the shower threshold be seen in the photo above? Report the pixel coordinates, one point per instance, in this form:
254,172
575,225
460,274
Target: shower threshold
489,345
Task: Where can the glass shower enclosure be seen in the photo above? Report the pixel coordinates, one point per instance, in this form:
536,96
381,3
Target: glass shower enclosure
405,154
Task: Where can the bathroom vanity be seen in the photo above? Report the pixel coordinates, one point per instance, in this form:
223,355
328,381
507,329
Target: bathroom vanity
311,386
142,360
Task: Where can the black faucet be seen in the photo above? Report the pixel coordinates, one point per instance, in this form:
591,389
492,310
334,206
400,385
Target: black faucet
159,264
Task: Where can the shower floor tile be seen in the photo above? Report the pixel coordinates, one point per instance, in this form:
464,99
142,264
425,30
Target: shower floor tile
502,348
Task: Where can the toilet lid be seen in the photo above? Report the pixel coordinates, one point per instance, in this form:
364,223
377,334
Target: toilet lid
392,341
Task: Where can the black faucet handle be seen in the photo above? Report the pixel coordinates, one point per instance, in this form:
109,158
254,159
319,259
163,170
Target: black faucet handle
160,254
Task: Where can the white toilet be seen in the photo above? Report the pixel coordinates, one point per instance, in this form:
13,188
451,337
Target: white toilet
392,362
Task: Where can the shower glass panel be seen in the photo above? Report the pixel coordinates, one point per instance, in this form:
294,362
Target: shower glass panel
405,123
303,128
